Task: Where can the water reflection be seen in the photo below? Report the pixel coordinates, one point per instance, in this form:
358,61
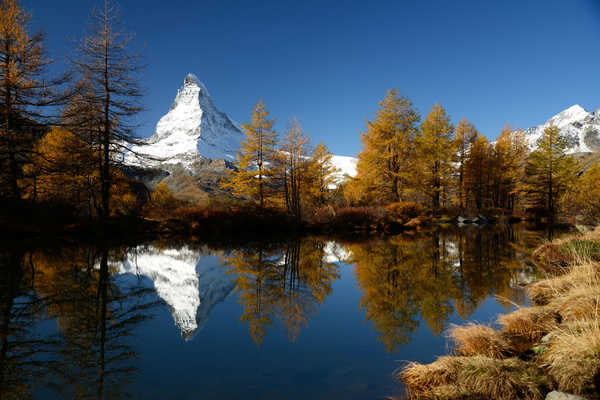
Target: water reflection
289,282
68,315
432,275
87,353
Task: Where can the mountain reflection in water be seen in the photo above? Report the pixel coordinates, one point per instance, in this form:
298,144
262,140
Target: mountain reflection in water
83,322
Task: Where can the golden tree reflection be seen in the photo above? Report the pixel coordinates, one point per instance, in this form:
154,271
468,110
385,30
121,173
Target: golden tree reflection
287,282
434,274
90,355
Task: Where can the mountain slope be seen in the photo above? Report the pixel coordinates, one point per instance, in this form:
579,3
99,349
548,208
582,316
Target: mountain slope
581,128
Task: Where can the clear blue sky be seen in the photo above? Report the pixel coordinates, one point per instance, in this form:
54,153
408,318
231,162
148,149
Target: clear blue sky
330,62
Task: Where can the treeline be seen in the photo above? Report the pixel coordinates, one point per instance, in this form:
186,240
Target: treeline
62,138
408,169
456,170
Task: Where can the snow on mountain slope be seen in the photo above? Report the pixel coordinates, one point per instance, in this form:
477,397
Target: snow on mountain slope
345,165
581,128
189,283
193,127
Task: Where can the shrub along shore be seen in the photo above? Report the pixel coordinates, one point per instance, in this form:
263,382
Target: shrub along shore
554,344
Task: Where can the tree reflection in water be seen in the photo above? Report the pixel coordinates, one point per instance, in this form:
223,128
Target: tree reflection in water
289,281
88,355
434,274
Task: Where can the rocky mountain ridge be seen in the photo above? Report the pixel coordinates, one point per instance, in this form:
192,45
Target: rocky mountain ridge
580,127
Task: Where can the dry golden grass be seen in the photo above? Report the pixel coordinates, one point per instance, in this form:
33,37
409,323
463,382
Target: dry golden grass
475,377
573,356
530,323
580,303
473,340
584,274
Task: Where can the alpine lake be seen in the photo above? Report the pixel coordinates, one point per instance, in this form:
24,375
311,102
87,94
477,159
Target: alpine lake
295,318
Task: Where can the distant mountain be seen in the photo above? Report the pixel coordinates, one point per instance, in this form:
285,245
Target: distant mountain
580,127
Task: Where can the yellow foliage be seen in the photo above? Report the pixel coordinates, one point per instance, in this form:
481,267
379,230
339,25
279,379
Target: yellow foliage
583,200
385,166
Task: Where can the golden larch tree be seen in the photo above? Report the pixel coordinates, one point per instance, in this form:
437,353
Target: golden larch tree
255,159
322,175
476,172
24,93
550,171
385,162
463,141
435,152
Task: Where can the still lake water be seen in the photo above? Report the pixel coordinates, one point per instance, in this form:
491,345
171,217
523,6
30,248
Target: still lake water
307,318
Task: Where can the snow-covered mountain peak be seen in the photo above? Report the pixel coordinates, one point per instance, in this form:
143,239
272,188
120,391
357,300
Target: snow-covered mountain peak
193,128
579,127
571,114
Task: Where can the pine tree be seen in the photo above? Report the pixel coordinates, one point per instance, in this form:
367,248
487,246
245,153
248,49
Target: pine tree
254,164
384,164
463,141
109,76
550,171
435,152
24,92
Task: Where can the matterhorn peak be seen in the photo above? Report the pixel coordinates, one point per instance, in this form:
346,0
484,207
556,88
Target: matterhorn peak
193,128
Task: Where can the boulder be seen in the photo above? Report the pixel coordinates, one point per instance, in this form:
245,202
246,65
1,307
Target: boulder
554,395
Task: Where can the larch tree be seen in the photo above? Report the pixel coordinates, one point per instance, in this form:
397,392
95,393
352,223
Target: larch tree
62,171
255,160
583,201
322,175
476,172
294,164
24,93
463,141
110,87
510,155
550,171
384,164
435,152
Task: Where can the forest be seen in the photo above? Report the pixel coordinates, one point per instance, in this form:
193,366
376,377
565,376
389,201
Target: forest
63,140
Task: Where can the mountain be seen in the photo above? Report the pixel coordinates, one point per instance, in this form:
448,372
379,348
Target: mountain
190,283
188,137
580,127
193,128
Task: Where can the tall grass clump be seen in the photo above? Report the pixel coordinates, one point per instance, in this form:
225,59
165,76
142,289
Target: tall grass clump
474,377
473,340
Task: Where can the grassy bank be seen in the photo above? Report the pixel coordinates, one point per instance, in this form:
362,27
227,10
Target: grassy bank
552,345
